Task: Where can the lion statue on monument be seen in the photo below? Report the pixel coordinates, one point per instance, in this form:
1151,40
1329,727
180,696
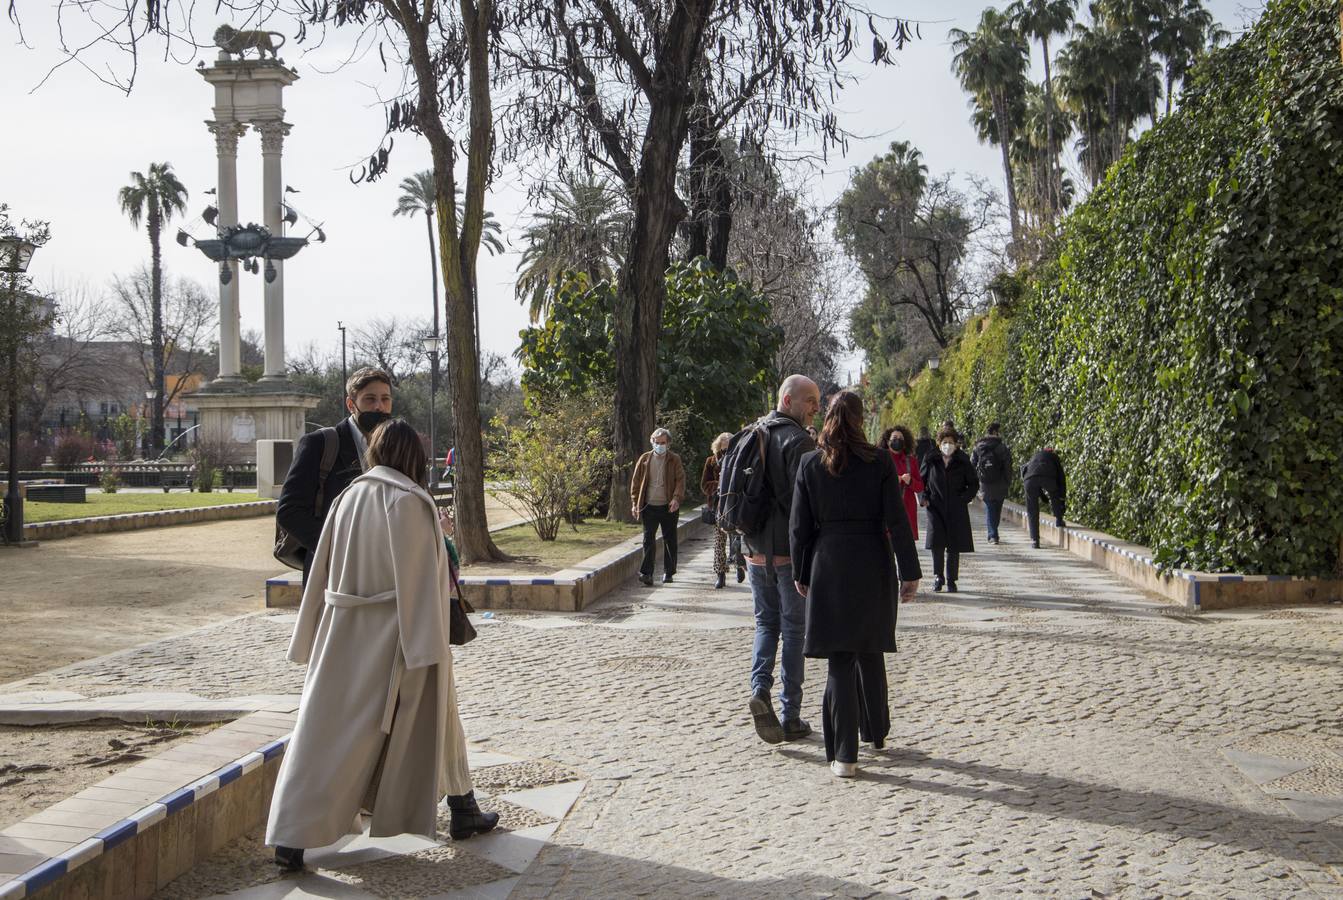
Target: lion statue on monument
231,40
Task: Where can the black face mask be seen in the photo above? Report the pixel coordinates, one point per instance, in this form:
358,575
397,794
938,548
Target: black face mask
898,445
370,419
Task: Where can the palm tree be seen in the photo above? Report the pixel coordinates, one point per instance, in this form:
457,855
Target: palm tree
155,198
417,196
584,230
1187,31
1042,19
991,65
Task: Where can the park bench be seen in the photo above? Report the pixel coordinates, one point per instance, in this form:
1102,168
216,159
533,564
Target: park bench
442,493
57,493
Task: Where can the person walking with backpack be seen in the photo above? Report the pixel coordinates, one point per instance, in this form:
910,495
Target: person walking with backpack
771,449
722,541
848,524
993,464
326,462
950,483
1043,476
657,490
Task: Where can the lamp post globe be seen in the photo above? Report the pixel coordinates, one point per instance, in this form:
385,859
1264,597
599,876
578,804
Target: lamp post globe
15,255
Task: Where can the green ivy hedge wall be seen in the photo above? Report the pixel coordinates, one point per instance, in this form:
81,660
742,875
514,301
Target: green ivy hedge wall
1183,347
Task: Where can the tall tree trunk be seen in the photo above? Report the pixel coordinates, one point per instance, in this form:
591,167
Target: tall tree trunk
657,213
697,182
1054,199
433,283
1170,85
1004,139
156,327
458,248
720,233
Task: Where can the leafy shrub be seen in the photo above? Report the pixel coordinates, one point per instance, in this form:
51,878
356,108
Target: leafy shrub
1184,350
110,481
212,452
553,466
71,448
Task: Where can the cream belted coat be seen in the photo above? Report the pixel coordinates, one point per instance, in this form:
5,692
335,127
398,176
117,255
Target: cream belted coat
378,727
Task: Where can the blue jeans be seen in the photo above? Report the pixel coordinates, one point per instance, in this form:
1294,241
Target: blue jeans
780,611
993,514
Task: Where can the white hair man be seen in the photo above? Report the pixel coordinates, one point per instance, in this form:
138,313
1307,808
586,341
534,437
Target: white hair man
656,491
780,611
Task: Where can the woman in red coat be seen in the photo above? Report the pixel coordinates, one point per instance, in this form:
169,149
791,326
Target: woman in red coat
900,442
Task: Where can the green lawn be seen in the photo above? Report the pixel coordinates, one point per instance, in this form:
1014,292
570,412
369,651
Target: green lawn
533,556
117,504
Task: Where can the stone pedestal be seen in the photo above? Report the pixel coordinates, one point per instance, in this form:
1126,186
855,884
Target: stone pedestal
247,413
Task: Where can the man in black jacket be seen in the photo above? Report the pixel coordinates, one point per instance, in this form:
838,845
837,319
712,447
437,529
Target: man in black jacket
780,612
1044,475
993,463
308,493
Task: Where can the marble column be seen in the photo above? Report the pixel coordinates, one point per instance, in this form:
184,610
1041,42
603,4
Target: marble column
272,185
226,149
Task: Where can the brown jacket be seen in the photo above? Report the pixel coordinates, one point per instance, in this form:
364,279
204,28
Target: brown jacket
708,479
675,479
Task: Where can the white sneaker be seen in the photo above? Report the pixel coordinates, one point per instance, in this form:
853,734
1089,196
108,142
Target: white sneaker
843,769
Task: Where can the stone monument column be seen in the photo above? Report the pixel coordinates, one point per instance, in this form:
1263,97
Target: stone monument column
272,133
230,339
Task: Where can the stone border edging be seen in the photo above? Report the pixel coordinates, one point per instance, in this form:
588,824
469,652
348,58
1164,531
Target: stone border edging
147,874
1193,589
64,528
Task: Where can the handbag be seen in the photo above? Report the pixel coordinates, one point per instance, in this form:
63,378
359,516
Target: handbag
707,515
460,629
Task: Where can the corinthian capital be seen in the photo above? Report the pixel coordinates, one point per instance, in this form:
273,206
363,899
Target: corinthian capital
226,136
272,133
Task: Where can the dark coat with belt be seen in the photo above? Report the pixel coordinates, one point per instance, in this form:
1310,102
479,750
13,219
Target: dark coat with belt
843,531
949,488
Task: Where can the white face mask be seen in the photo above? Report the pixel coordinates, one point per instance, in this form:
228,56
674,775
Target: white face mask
948,448
659,449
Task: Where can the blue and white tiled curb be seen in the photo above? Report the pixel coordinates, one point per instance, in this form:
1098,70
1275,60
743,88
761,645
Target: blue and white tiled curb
1196,579
142,820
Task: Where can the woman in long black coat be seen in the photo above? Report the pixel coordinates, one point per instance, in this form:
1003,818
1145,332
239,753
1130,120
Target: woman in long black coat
949,484
848,520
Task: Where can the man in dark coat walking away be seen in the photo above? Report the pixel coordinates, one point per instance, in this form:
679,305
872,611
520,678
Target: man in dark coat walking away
924,445
848,520
780,614
993,464
308,491
1043,475
949,484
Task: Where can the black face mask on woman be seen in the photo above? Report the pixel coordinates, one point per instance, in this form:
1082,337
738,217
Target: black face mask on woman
898,445
370,419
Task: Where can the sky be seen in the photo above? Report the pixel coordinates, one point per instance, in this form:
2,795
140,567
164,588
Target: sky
68,144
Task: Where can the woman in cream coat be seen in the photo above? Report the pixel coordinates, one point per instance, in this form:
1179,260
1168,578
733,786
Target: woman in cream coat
378,728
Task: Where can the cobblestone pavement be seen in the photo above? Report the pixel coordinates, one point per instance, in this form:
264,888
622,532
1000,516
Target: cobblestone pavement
1055,732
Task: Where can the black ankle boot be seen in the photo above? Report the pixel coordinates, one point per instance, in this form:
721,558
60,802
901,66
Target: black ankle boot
467,819
289,859
722,580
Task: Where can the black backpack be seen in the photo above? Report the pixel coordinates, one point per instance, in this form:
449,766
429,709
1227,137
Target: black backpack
744,492
987,466
287,548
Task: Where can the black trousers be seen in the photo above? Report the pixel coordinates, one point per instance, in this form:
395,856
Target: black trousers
655,517
1035,488
948,561
855,700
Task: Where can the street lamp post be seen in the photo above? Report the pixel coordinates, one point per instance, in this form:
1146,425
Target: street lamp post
152,439
340,326
430,342
16,253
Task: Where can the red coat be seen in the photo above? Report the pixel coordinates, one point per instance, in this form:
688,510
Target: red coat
906,463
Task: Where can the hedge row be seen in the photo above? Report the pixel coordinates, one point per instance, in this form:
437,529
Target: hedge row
1184,347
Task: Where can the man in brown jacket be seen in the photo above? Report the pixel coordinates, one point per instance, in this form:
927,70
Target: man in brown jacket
656,492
